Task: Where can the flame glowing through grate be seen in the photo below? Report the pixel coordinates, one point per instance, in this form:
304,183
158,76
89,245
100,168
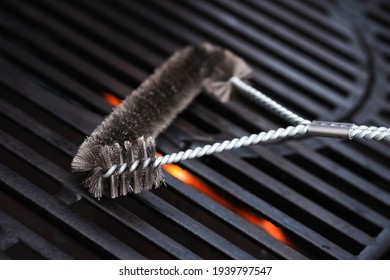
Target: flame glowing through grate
191,180
112,99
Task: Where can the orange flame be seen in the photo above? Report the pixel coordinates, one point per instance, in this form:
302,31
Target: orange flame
191,180
112,99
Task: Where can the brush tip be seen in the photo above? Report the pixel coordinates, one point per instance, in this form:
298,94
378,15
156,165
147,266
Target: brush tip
220,66
98,159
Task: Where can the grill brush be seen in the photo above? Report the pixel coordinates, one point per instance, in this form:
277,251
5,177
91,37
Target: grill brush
128,133
120,153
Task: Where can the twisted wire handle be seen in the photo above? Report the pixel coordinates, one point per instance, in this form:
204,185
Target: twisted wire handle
235,143
370,133
303,126
266,102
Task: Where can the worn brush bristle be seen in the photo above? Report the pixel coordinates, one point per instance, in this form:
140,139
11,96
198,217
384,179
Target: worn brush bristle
124,178
124,183
143,179
224,65
128,133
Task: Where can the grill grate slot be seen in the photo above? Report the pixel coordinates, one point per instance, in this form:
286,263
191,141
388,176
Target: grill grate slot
22,252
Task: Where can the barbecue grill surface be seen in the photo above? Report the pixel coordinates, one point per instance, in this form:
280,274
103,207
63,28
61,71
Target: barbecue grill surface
326,60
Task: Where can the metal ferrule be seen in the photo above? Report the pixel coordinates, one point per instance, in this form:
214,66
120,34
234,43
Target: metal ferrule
330,129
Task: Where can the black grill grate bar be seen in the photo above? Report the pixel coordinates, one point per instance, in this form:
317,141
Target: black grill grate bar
42,200
203,233
30,238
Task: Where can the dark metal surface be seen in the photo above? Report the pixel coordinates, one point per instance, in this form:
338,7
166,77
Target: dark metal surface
325,60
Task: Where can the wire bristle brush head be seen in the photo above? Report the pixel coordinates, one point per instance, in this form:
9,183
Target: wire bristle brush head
100,158
128,133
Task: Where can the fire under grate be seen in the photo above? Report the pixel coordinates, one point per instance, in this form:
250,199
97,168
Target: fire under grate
63,65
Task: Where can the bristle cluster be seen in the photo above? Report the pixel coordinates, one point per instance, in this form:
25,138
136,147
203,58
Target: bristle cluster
222,65
98,159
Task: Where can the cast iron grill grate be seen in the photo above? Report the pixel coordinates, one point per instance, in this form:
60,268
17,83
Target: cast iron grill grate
325,60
